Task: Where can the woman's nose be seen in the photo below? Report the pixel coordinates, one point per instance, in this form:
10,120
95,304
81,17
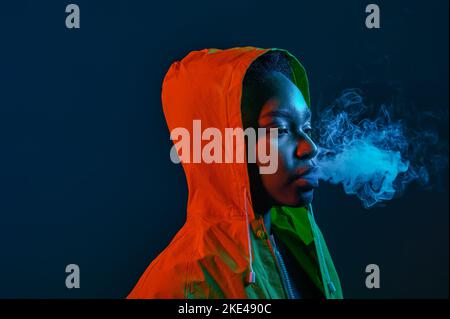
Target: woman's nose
306,149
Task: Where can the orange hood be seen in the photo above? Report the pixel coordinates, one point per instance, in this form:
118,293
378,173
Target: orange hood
207,85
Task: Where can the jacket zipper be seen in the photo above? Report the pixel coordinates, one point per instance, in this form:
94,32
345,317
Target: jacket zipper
281,268
284,274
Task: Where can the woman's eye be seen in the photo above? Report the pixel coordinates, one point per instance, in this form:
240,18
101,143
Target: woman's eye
283,130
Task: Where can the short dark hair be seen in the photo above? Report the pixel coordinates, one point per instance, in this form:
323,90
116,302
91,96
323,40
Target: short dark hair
272,61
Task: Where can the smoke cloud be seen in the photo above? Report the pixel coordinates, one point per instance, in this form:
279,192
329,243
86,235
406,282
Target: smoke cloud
373,156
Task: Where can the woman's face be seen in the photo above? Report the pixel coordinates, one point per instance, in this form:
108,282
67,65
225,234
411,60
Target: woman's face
293,183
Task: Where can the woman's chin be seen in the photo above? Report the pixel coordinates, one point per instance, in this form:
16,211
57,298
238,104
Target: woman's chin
300,199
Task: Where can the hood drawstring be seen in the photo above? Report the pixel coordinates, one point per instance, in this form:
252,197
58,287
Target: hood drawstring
251,276
329,282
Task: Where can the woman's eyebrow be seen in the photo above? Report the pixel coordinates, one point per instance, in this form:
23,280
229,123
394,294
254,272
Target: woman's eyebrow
277,113
286,114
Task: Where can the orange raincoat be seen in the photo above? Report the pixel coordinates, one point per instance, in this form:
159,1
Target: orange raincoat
223,250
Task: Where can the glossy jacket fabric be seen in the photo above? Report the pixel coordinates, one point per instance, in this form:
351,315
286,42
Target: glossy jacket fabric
223,251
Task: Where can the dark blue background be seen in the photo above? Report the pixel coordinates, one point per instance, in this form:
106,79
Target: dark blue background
85,174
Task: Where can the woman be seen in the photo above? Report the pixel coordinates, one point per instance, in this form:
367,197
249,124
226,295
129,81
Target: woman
247,234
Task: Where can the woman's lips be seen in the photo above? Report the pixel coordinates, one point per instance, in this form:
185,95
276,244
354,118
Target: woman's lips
306,181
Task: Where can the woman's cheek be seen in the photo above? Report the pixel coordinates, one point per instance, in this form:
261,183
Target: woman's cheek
267,153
